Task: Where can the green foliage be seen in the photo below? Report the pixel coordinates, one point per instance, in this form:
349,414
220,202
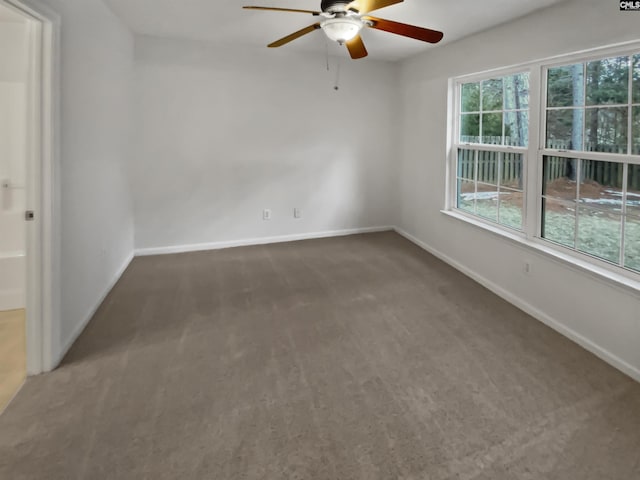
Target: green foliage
606,129
636,78
470,125
492,95
636,130
600,84
492,125
565,86
489,99
471,97
608,81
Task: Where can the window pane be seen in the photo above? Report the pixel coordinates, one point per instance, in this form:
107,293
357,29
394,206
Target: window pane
632,244
601,185
636,131
559,179
487,201
608,81
606,129
565,86
466,164
516,92
516,128
511,208
633,190
493,112
470,128
488,167
471,97
492,128
599,234
565,129
559,222
492,95
466,195
636,78
512,169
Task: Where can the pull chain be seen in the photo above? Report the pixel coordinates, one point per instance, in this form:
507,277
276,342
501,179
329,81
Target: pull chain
336,85
326,44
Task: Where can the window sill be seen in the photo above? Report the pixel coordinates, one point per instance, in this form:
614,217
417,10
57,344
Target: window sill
605,276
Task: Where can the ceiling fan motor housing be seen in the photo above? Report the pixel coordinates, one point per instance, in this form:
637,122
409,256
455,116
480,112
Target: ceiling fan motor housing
328,5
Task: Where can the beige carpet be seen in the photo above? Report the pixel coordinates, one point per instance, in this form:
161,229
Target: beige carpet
13,354
351,358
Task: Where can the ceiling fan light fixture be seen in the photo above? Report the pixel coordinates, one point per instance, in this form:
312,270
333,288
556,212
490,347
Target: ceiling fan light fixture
341,29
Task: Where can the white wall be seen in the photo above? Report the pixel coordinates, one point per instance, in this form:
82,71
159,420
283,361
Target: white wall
14,43
13,51
97,214
220,136
605,317
13,147
223,135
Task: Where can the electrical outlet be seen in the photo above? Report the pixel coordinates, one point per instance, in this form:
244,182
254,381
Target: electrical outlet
297,213
266,214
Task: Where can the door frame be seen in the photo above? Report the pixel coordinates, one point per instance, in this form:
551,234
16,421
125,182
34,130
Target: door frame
43,187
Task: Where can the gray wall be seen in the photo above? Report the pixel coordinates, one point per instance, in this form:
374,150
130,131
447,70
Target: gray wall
586,307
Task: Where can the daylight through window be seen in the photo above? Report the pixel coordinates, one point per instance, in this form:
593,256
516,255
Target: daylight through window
588,161
493,134
591,200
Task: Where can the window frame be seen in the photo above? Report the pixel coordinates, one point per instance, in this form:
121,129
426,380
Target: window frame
533,160
456,145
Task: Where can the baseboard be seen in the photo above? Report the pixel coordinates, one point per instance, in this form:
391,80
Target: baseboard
536,313
66,346
141,252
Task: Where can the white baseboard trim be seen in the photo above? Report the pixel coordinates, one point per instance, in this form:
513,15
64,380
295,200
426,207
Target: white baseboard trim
66,345
536,313
141,252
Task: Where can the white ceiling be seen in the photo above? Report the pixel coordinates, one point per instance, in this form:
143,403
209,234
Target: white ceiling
226,23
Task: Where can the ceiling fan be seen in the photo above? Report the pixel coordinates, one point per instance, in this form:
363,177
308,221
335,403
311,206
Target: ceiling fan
342,21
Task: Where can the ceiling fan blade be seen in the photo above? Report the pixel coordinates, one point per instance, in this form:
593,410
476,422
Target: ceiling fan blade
275,9
366,6
411,31
356,48
293,36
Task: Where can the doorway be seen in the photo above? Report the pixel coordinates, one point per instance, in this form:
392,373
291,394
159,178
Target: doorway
26,195
14,88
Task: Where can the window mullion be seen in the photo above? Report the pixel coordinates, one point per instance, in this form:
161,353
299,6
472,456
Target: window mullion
480,126
476,160
623,223
577,221
452,197
584,106
532,204
630,107
499,178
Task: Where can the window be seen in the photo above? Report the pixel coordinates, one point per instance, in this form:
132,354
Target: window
588,106
496,111
491,147
585,172
590,182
